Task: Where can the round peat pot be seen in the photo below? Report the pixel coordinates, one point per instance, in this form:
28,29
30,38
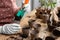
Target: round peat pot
37,39
49,38
56,32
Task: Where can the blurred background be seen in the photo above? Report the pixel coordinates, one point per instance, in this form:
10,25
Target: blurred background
32,4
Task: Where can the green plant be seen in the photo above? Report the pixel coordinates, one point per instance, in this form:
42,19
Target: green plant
48,3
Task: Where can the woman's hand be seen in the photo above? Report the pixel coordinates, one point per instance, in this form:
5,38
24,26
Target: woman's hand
14,6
